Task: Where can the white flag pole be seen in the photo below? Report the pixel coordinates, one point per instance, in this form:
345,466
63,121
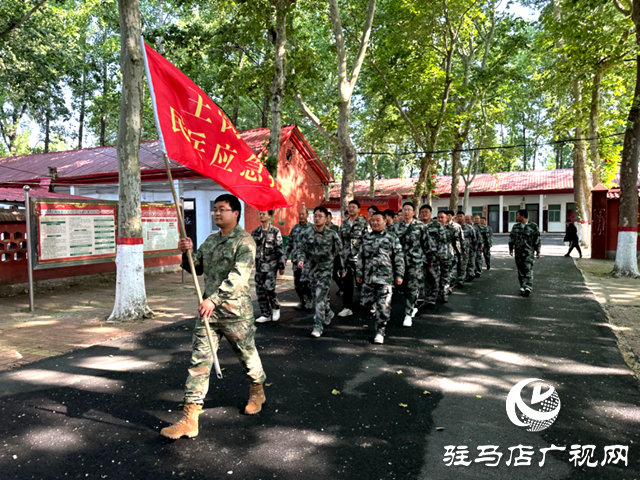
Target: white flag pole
183,233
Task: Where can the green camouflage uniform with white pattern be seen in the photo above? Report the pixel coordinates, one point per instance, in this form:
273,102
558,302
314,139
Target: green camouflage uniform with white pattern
380,263
435,250
269,259
226,263
411,238
300,280
524,242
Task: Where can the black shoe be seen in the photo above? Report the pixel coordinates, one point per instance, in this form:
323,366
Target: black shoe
299,306
527,292
430,306
580,256
459,285
488,267
441,300
567,255
478,275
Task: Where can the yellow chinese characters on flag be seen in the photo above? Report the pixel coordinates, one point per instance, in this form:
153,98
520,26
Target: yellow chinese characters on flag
197,134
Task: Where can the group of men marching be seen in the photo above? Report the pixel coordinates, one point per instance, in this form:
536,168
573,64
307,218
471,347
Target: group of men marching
423,258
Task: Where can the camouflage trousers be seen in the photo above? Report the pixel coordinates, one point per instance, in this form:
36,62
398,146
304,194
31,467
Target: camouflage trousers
266,291
486,251
320,285
380,295
478,270
471,263
301,283
241,337
524,264
413,279
459,272
432,281
445,278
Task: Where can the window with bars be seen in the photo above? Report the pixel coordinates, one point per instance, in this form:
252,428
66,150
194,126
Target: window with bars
554,213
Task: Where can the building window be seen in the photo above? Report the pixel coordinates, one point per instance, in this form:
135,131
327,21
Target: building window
214,227
512,213
554,213
476,211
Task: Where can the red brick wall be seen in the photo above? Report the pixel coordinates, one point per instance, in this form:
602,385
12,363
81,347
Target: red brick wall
299,183
13,259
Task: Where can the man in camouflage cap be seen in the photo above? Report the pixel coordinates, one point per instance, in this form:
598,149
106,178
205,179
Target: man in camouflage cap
380,264
481,234
269,261
411,236
486,250
461,267
351,231
292,250
524,245
225,259
336,267
475,243
318,249
434,245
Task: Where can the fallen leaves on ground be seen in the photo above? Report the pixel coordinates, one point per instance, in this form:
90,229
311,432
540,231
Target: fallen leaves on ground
335,392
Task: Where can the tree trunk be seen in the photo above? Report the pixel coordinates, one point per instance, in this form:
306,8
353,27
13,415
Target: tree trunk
131,301
47,131
455,174
103,109
626,263
83,100
265,107
580,181
372,173
277,87
160,21
594,129
347,154
465,201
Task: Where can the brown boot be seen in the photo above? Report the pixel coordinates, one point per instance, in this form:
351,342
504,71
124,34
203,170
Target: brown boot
187,426
256,399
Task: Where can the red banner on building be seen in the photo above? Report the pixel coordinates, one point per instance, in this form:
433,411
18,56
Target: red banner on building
198,134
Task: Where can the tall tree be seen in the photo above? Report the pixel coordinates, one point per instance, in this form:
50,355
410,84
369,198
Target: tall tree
131,300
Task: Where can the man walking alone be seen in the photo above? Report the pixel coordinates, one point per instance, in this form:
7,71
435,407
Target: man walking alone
524,245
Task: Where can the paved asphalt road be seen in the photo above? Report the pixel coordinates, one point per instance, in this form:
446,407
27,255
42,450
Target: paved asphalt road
96,413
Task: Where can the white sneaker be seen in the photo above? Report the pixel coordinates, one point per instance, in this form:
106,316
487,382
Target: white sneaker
316,332
413,314
379,339
345,313
407,321
275,315
263,319
522,290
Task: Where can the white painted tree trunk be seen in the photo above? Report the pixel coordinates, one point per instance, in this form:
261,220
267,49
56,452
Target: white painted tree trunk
626,264
131,299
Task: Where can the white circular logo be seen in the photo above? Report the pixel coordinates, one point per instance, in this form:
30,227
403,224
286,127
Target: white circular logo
536,420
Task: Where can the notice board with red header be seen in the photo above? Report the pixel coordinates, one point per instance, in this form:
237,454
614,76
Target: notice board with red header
160,232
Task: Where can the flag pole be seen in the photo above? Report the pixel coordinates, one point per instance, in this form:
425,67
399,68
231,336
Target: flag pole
183,233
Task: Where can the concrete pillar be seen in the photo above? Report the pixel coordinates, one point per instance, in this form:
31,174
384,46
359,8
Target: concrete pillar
541,219
501,215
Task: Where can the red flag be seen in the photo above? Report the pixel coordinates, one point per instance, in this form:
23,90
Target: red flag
198,134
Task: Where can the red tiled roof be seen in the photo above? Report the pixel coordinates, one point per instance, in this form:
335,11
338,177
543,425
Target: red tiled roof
534,180
103,161
17,194
614,193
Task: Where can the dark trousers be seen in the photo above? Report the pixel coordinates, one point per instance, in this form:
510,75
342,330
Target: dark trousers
337,278
574,244
348,285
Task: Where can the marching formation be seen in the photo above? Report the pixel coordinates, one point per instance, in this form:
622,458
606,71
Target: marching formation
422,259
416,254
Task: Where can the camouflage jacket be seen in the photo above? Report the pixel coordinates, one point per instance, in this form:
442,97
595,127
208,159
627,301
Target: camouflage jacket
226,263
479,236
351,236
411,238
452,244
457,239
318,251
335,228
380,260
470,238
525,239
486,236
435,241
489,235
269,251
293,242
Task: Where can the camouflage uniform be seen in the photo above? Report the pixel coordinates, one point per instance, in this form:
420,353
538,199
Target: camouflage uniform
480,235
351,237
380,263
226,263
269,259
486,249
471,242
318,251
411,238
300,279
336,266
524,241
453,253
434,245
459,270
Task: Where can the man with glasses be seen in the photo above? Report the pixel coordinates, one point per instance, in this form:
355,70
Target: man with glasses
300,280
269,261
226,259
317,252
